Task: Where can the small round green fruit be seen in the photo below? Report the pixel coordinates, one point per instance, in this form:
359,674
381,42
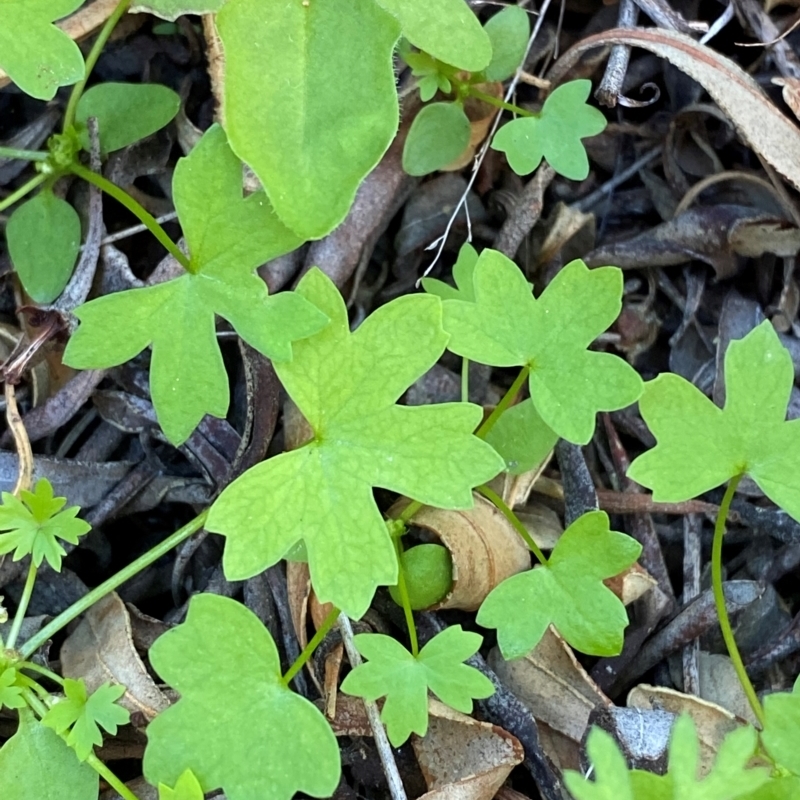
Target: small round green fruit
429,575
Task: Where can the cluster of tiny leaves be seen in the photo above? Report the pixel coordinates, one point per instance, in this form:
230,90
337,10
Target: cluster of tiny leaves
35,522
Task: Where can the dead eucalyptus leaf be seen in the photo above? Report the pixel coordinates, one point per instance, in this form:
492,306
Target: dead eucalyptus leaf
790,92
631,584
298,589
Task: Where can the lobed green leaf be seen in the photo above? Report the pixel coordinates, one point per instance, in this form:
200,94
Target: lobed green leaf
508,31
172,9
522,437
782,727
187,788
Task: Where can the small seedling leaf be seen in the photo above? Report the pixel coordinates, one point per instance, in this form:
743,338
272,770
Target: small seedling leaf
555,134
36,55
438,135
125,112
228,237
393,672
346,385
447,29
611,778
44,238
36,762
568,592
187,788
463,272
701,446
522,437
172,9
35,523
505,326
427,70
508,31
782,728
236,725
10,692
311,149
81,715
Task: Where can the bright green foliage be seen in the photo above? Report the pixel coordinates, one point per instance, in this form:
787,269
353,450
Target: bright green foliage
36,763
34,53
568,592
83,714
463,271
10,692
505,326
187,788
781,735
611,779
428,570
310,146
779,787
426,69
172,9
438,135
35,523
228,237
508,31
447,29
125,112
346,386
393,672
522,437
701,446
554,134
236,725
44,237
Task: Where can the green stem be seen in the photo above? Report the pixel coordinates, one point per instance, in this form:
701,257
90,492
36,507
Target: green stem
114,582
32,667
135,208
465,380
22,155
22,607
498,103
26,188
719,600
91,60
495,498
404,599
110,778
508,398
409,511
36,704
313,644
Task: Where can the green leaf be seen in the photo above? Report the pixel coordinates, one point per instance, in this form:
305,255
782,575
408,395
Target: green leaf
555,134
36,55
310,147
393,672
522,437
228,237
428,571
505,326
782,728
463,271
187,788
172,9
610,772
700,446
10,692
508,31
568,592
427,69
346,385
36,763
782,787
447,29
236,725
125,112
35,523
44,238
438,135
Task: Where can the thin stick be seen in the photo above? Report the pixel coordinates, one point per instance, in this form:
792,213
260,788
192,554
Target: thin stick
21,440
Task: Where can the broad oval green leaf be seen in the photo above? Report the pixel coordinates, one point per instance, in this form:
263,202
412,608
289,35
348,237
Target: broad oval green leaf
172,9
44,238
509,31
125,112
38,56
310,100
447,29
438,135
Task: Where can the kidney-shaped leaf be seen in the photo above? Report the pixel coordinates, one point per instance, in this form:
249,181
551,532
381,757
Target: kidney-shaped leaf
438,135
236,725
509,31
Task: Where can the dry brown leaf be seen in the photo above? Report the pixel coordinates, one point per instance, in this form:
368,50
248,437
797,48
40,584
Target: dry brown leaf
298,588
350,718
480,115
756,119
631,584
563,223
790,92
463,759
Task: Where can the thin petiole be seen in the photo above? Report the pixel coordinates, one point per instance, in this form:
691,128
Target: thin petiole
312,645
498,103
26,188
23,155
404,599
495,498
27,591
465,380
719,600
110,778
32,667
505,402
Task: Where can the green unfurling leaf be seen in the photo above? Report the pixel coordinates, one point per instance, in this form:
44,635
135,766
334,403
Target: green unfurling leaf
346,385
505,326
187,788
509,31
37,763
81,715
522,437
393,672
228,237
568,592
438,135
36,55
44,238
701,446
252,737
35,523
311,149
125,112
554,134
782,728
10,691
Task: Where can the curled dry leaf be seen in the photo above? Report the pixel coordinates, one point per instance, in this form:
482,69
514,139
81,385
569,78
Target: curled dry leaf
790,92
463,759
631,584
484,547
